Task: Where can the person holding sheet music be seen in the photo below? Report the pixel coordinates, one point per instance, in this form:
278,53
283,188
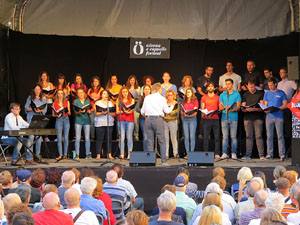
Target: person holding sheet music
189,111
82,108
171,124
61,83
209,109
139,105
113,88
277,100
230,101
47,88
253,118
36,104
187,82
78,83
125,106
166,85
61,110
135,91
101,125
94,95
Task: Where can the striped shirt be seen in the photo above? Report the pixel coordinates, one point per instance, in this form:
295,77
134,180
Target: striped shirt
289,208
246,217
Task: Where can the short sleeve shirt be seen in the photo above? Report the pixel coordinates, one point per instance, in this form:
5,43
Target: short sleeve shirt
203,81
233,97
276,99
82,118
211,104
235,77
255,76
252,99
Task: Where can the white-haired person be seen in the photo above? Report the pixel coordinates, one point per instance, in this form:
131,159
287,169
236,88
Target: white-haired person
274,201
226,208
88,202
244,175
52,215
166,203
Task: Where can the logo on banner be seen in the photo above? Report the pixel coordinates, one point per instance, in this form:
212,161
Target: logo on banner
294,106
138,48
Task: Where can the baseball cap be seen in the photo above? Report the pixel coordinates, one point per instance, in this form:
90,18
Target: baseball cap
23,175
179,181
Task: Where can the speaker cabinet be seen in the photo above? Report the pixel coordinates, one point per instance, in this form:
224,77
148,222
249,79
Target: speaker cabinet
201,158
293,67
142,159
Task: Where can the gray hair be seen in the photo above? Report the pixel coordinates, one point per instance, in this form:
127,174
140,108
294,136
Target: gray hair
156,87
88,185
24,192
260,198
244,173
276,201
166,202
252,187
111,176
295,190
213,188
68,177
72,197
279,171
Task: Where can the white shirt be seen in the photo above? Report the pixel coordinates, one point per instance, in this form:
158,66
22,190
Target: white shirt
235,77
155,105
225,219
127,186
294,218
10,123
86,218
101,121
287,86
257,222
243,207
77,187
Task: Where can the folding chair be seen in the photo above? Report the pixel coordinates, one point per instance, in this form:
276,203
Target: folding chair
108,216
3,148
118,208
100,219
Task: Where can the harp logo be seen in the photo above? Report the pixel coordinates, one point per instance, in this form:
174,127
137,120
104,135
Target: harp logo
138,48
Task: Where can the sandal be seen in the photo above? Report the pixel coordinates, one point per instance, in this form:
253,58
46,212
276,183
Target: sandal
59,157
122,155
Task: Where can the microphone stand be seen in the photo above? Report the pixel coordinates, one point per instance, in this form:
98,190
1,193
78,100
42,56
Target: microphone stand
178,117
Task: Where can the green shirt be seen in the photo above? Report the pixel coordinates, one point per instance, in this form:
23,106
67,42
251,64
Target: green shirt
82,118
188,204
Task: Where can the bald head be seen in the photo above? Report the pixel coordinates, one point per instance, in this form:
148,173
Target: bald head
111,177
252,187
260,198
72,198
68,178
51,201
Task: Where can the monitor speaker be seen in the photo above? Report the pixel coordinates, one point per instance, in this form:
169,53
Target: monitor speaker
293,67
201,158
142,159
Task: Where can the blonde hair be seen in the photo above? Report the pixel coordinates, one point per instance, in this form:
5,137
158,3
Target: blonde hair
270,214
210,214
279,171
138,217
212,198
185,78
244,173
99,188
173,93
218,171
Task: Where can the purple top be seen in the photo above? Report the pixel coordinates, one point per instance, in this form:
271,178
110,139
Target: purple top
247,216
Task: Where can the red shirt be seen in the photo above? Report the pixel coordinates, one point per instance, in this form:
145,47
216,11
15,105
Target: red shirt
211,104
191,105
56,106
126,117
52,217
105,198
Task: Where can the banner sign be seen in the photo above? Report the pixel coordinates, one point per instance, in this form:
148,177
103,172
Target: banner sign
148,48
294,106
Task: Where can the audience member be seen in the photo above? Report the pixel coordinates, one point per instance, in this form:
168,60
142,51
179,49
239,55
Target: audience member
283,187
278,172
166,203
268,216
262,175
192,193
259,201
211,215
87,201
138,217
295,217
219,171
24,192
138,202
23,219
16,183
80,216
6,181
244,175
191,185
77,184
105,198
53,176
86,172
11,200
291,206
67,180
2,217
51,215
292,176
18,208
38,178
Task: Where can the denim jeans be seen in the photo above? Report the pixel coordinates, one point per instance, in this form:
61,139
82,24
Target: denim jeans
126,128
278,123
189,129
38,144
101,133
258,129
18,145
142,127
171,128
86,129
229,125
136,124
208,125
62,124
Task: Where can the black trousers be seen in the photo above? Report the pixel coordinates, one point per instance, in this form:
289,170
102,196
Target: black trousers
101,133
208,125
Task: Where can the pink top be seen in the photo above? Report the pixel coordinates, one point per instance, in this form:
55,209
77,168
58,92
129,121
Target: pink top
78,86
191,105
126,117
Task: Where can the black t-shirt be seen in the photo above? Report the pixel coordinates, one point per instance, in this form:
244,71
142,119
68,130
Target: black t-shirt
252,99
162,222
202,82
255,76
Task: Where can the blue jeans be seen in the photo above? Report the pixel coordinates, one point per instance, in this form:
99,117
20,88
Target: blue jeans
18,145
229,125
62,124
278,123
38,144
189,130
126,129
86,129
142,127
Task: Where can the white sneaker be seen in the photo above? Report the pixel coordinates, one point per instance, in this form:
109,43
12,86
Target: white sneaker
224,156
233,156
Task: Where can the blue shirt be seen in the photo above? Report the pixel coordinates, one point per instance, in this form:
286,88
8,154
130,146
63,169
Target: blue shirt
173,87
276,99
233,97
87,202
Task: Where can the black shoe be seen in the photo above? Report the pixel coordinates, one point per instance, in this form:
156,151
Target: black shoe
13,163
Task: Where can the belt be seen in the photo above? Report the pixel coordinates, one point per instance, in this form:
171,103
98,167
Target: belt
153,116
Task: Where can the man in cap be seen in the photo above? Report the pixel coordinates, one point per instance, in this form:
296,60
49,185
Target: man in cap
24,178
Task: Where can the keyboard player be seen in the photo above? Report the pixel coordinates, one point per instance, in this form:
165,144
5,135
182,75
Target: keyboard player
13,121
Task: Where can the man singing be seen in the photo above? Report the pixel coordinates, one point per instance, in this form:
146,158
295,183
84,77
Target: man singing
154,107
230,101
13,121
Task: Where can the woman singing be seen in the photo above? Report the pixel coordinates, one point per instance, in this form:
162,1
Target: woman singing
125,120
166,85
171,124
139,105
114,88
187,82
135,91
77,84
82,111
101,122
189,111
36,104
61,84
61,110
47,88
147,80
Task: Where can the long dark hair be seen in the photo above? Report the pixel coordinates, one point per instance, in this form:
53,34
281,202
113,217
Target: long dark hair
40,77
33,96
81,84
136,83
193,98
109,84
61,76
143,97
93,88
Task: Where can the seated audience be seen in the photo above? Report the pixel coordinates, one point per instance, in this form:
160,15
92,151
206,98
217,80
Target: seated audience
278,172
11,200
291,206
183,201
191,185
259,201
262,175
67,180
16,183
24,178
53,176
85,172
211,215
24,192
80,216
270,216
292,176
244,175
23,219
18,208
166,203
219,171
38,177
6,181
104,197
137,217
283,187
192,193
295,217
2,216
77,184
51,215
87,201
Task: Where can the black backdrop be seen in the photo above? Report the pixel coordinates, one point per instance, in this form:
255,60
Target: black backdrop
30,54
